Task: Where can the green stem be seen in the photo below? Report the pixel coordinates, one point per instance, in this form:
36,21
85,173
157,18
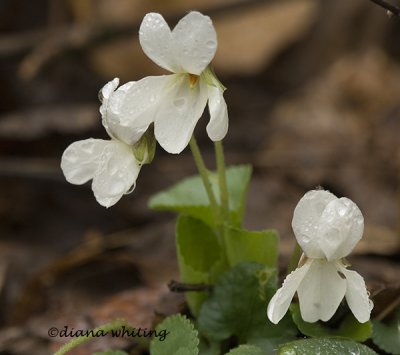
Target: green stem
201,167
100,331
295,258
223,186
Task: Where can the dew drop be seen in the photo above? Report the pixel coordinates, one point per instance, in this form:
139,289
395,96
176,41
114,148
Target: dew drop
179,102
118,187
211,44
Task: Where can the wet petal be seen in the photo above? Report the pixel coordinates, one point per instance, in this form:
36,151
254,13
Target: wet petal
305,221
321,291
280,302
178,113
116,173
194,42
132,108
340,228
218,125
357,295
156,40
105,93
79,161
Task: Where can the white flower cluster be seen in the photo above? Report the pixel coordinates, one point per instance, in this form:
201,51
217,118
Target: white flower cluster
173,103
327,228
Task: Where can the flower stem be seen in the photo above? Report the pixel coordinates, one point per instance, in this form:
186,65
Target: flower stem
103,329
223,186
201,167
295,258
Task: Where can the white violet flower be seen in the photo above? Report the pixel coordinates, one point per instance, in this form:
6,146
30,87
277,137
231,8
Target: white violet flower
110,163
176,102
327,228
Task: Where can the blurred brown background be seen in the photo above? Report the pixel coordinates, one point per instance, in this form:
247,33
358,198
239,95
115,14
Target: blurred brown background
313,97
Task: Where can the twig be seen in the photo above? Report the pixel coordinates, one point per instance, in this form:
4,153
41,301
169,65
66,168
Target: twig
389,309
392,9
179,287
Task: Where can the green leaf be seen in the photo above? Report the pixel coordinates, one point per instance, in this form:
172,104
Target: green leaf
207,347
237,307
181,338
200,257
325,346
246,350
189,196
387,336
269,336
243,245
349,327
111,352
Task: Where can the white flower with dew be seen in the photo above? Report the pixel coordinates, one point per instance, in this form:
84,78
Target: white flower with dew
176,102
327,228
111,164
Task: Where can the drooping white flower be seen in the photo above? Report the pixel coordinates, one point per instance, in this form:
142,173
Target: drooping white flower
327,228
176,102
110,163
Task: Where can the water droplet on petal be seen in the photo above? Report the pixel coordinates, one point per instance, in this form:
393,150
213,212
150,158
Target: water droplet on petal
211,44
117,187
179,102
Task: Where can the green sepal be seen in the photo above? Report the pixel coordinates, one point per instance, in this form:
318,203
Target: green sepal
145,149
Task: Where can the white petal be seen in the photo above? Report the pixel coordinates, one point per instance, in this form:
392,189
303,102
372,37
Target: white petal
357,295
156,40
131,109
340,228
80,160
321,291
218,125
195,42
105,94
116,173
280,302
179,111
306,221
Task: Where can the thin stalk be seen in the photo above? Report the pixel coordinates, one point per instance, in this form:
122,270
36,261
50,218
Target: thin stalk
201,167
223,186
294,258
